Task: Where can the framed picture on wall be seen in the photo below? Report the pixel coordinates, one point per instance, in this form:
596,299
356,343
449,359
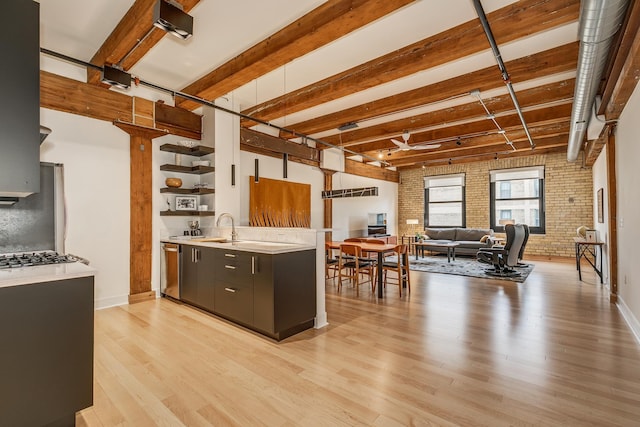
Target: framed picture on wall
186,203
600,202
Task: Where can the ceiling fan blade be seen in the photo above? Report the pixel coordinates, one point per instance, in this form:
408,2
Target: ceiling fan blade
425,147
398,143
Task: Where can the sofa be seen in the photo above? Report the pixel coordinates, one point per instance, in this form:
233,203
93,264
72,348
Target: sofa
470,240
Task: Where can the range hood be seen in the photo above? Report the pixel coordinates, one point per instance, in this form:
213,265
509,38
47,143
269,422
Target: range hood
20,108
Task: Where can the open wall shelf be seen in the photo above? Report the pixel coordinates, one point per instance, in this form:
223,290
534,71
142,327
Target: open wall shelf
194,191
196,170
198,150
187,213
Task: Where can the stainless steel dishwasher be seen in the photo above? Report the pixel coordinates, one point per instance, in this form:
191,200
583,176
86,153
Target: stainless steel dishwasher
170,270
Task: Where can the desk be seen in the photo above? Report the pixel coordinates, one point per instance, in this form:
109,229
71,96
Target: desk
588,250
370,247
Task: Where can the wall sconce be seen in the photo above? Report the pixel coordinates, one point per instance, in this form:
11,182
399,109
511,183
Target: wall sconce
171,19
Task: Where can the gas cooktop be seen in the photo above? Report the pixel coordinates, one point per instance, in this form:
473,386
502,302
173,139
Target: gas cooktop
34,258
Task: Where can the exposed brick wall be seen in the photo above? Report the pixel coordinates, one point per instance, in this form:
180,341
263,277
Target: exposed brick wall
568,198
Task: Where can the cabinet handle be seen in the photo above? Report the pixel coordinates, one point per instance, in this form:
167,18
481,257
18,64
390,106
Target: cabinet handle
253,264
193,255
230,267
233,291
230,255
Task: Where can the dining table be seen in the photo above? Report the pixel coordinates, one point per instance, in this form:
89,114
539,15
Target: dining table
378,248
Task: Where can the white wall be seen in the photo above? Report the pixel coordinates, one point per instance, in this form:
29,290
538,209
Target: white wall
628,195
599,173
350,214
95,155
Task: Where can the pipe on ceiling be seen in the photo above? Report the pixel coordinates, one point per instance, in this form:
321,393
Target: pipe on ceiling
502,67
599,22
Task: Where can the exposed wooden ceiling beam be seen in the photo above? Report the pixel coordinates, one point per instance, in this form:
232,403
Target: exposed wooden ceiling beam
327,23
84,99
132,28
263,141
510,123
555,143
561,91
509,23
369,171
626,83
556,60
623,50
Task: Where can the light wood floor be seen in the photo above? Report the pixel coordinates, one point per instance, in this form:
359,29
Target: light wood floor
457,351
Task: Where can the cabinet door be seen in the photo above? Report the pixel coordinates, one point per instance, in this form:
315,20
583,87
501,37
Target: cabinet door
206,278
263,293
189,275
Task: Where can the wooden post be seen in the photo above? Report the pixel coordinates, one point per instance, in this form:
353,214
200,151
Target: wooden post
140,210
613,214
328,204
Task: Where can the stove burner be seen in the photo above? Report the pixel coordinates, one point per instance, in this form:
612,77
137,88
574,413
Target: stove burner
32,259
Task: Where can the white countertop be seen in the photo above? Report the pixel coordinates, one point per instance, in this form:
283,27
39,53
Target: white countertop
43,273
245,245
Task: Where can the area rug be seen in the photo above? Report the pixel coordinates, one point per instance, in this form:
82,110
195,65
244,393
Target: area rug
462,266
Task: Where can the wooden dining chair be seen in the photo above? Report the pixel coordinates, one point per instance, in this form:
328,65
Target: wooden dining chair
352,266
399,268
330,262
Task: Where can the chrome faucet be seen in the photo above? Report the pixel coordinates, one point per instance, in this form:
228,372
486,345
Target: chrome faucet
234,235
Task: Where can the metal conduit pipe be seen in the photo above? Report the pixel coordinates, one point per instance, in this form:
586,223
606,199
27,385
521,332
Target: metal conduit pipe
599,22
502,67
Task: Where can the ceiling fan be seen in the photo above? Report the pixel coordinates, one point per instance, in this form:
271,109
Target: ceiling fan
404,146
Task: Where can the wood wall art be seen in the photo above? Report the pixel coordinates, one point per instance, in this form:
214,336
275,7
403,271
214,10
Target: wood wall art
275,203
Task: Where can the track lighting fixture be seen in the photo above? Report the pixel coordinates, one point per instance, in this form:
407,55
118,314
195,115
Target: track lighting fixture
450,161
170,18
458,141
496,157
348,126
116,77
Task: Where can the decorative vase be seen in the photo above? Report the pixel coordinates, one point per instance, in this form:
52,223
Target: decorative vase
173,182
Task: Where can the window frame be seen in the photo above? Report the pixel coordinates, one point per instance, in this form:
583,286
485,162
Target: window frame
463,200
493,184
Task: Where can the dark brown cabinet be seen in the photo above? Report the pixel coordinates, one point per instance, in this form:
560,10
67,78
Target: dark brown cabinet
272,294
46,361
234,285
284,293
197,276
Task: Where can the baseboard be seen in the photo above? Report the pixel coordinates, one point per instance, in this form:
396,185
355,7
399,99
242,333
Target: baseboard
103,303
631,320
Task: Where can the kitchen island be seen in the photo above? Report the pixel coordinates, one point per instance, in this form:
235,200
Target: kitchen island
46,325
269,287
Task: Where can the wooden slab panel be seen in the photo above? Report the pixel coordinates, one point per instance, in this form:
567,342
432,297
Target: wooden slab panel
275,203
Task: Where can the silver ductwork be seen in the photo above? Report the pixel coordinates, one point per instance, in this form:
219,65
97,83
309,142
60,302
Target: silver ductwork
599,22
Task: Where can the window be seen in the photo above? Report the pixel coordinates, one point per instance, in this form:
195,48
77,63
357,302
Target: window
518,194
444,202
